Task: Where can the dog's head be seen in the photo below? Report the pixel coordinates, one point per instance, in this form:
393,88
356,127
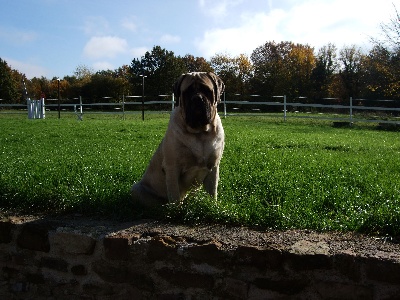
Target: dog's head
198,94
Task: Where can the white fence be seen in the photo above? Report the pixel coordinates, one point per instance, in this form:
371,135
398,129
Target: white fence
353,112
348,113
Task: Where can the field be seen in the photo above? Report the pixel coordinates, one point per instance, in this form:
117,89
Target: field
298,174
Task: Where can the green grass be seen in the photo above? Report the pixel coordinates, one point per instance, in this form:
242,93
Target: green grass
299,174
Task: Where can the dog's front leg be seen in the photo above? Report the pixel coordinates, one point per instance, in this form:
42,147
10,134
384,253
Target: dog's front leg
211,182
172,181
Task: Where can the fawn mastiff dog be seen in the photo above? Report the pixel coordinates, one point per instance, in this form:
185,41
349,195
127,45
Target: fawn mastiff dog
190,152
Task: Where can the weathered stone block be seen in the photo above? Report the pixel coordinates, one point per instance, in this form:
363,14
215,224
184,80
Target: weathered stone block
383,271
120,272
53,263
234,289
186,279
160,250
208,253
24,258
349,266
259,258
5,232
339,291
71,243
97,289
36,278
307,262
170,296
116,248
79,270
283,286
34,237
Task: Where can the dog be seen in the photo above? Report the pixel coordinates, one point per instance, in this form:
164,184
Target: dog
189,154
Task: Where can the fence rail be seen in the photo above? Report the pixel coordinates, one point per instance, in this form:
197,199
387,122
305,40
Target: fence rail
283,108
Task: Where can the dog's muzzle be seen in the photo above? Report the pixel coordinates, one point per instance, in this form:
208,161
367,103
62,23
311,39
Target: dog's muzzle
198,111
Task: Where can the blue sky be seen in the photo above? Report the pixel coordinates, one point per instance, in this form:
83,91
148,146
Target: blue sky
52,37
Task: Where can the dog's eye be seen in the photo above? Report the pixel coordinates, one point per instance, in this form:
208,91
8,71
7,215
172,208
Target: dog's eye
209,94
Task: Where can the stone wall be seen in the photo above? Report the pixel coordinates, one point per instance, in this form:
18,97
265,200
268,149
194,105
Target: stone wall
69,259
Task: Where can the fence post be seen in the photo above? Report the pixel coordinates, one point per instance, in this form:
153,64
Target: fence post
123,107
80,109
284,108
351,110
29,106
224,105
43,110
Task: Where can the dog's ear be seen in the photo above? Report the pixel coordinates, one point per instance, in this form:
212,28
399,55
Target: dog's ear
176,88
219,86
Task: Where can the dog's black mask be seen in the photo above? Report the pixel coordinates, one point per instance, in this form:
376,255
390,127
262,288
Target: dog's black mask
198,107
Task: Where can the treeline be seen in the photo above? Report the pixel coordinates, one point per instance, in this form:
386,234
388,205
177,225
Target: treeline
272,69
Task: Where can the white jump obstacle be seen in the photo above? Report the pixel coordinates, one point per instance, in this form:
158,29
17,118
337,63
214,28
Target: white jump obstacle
36,109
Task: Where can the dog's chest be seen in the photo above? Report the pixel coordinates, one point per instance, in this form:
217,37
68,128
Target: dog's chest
203,152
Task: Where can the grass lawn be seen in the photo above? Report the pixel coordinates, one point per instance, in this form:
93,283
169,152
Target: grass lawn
299,174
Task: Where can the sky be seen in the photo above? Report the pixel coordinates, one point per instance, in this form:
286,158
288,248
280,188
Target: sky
51,38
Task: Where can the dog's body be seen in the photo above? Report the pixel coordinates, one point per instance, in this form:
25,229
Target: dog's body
190,153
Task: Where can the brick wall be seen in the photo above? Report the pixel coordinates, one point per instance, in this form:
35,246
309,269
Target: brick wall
49,260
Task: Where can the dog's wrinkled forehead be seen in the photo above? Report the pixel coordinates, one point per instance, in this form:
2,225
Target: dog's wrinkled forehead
196,83
199,81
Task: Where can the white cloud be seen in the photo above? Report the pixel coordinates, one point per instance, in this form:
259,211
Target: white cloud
170,39
17,36
254,31
217,9
130,24
105,47
96,26
341,22
138,52
29,69
312,22
103,65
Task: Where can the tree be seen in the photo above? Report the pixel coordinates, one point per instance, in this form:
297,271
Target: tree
325,67
381,73
9,91
268,67
350,71
104,85
283,68
299,63
196,64
236,72
391,32
161,68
